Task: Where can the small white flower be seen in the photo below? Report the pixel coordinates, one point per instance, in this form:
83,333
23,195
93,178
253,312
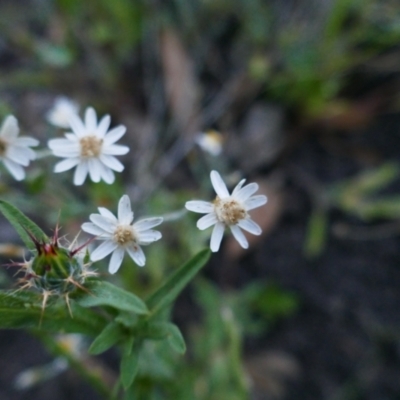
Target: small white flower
61,112
15,152
120,235
228,210
90,148
210,141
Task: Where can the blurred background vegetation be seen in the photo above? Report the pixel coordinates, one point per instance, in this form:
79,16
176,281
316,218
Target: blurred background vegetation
269,77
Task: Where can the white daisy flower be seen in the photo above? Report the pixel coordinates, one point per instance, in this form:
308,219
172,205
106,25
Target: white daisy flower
210,141
228,210
91,148
120,235
15,152
61,112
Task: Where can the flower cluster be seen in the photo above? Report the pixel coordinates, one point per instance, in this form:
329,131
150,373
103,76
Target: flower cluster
90,147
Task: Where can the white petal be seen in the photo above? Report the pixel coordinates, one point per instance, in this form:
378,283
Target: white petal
103,126
107,174
255,201
244,193
103,250
77,126
9,129
93,229
250,226
239,236
137,255
125,214
115,150
111,162
116,260
199,206
216,236
207,221
114,135
147,223
108,214
15,169
103,222
67,164
94,170
26,141
90,120
55,144
71,136
149,237
20,155
219,185
238,187
80,173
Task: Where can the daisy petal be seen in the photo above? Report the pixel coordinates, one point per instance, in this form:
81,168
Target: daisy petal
147,223
239,236
216,236
95,230
20,155
149,237
115,150
111,162
9,129
244,193
238,186
219,185
103,223
77,126
116,260
199,206
26,141
255,201
107,174
114,135
103,250
15,169
125,214
250,226
66,164
137,255
94,172
80,173
107,214
90,120
103,126
207,221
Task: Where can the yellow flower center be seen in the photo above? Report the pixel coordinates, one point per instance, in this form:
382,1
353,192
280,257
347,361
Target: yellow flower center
125,234
90,146
229,211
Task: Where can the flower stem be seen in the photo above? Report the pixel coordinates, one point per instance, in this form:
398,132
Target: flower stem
99,377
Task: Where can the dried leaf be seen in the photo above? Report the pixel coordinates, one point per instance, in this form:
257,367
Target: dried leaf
180,82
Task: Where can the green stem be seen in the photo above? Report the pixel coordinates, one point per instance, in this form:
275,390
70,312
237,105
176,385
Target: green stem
93,374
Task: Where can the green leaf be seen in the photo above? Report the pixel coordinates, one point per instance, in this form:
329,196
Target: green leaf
168,292
23,310
156,330
110,335
176,339
102,293
22,224
317,231
130,363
